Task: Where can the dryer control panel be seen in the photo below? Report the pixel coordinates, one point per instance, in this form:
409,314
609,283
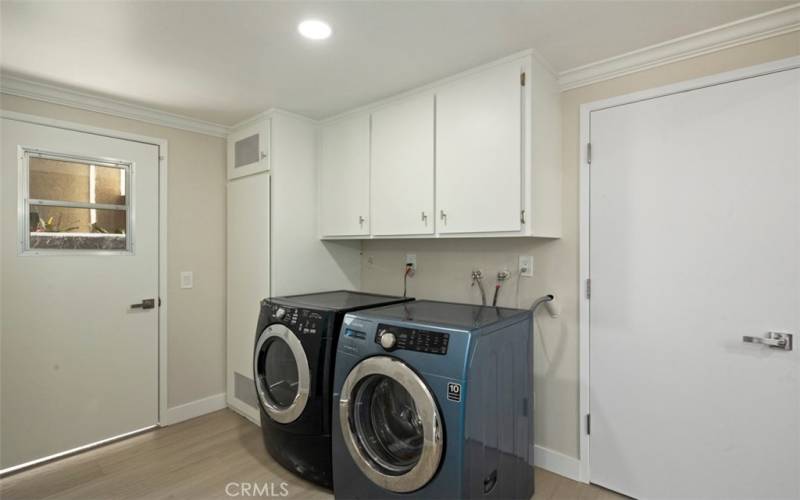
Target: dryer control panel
392,337
301,321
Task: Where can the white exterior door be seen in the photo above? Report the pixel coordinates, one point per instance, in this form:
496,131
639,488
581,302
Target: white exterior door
79,247
695,244
479,152
402,168
344,177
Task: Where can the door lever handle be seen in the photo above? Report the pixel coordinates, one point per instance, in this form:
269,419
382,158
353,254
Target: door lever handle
145,304
775,340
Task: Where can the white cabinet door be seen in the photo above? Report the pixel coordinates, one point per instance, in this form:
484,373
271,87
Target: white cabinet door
478,152
248,274
402,168
344,177
248,150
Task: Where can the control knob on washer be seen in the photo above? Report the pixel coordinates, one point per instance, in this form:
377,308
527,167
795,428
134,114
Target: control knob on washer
280,313
388,340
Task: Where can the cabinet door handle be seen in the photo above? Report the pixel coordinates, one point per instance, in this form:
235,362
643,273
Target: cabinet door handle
424,218
263,155
361,220
443,216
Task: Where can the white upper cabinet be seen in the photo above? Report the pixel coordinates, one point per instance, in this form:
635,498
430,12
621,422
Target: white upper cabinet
248,150
479,160
475,155
402,167
344,177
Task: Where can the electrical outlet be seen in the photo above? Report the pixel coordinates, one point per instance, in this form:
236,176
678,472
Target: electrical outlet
411,258
187,279
526,265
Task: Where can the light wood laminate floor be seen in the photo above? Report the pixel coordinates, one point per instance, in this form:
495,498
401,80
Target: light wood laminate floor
198,459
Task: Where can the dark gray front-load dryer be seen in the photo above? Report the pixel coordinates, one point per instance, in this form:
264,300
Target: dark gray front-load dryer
293,371
434,400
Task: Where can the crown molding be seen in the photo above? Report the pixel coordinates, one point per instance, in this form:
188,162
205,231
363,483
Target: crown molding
748,30
12,85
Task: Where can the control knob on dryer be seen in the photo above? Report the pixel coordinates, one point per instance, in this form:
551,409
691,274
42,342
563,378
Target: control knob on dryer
388,340
280,313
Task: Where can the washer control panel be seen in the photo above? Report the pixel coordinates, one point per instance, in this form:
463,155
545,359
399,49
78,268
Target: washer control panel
392,337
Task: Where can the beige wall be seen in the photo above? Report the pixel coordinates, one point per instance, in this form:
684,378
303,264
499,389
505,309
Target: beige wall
445,265
196,242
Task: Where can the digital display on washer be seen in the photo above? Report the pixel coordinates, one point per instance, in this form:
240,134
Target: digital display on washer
414,339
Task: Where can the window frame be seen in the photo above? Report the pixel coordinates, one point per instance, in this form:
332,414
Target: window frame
24,209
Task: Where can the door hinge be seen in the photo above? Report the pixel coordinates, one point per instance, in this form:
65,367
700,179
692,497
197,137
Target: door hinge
588,423
522,216
589,153
588,288
522,79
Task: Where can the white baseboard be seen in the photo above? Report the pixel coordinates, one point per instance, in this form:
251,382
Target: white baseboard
245,410
556,462
194,409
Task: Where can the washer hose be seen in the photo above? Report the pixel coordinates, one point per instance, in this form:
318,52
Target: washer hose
540,301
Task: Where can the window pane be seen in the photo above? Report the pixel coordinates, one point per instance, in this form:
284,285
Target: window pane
73,228
77,182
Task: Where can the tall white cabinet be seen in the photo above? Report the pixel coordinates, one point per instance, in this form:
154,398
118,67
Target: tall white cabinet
273,241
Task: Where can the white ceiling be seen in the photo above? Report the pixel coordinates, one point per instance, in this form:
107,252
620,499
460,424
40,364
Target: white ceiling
226,61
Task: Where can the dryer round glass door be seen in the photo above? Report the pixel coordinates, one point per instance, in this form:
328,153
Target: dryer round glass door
280,368
391,424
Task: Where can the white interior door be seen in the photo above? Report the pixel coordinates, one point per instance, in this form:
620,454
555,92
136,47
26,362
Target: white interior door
695,243
402,167
79,365
478,152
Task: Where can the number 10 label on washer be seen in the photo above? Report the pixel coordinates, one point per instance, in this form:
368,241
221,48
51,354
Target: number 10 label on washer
453,391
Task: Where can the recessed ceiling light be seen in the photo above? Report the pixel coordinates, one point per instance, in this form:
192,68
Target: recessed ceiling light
314,29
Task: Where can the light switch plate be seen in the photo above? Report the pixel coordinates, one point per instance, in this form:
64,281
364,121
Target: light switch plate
526,265
187,279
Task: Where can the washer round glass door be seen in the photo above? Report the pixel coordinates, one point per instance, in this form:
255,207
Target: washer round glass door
391,424
280,368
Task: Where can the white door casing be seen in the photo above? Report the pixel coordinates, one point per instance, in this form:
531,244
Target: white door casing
402,167
78,364
695,243
479,153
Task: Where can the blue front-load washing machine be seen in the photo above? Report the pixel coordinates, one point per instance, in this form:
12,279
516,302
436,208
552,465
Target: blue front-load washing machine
434,400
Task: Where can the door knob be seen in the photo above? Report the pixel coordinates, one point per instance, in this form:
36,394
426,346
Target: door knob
145,304
775,340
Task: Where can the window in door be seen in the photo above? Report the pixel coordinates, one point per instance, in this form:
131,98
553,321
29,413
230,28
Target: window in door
73,203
